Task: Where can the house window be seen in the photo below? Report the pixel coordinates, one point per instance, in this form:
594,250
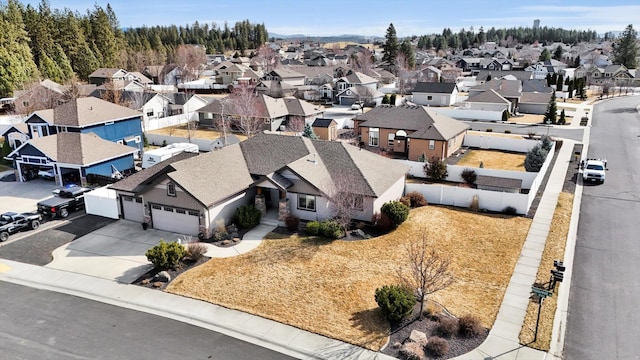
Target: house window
374,136
150,113
429,97
432,144
208,115
109,123
121,142
137,139
171,189
25,103
358,202
306,202
61,129
390,139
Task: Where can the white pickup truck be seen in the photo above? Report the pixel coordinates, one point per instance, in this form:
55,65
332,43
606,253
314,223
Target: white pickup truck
594,170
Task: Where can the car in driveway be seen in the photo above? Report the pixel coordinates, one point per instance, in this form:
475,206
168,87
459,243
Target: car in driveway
46,174
12,222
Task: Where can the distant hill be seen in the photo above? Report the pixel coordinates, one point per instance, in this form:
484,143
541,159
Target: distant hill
326,39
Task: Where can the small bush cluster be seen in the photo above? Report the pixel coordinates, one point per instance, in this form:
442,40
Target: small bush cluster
510,210
396,211
535,158
292,222
469,326
395,301
195,250
312,228
248,216
437,346
447,326
489,130
416,199
165,255
331,229
507,131
469,176
382,222
412,351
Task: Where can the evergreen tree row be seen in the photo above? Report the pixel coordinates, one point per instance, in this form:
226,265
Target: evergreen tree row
40,42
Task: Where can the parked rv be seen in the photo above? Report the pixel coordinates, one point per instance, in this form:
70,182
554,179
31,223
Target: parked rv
152,157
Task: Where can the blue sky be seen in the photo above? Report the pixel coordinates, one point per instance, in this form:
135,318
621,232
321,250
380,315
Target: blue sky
372,17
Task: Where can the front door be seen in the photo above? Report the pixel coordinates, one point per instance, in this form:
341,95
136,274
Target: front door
400,145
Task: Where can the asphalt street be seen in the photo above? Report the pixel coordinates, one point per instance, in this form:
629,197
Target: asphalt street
39,324
603,318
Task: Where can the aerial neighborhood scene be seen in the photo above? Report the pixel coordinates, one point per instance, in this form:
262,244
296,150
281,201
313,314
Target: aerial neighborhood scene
297,180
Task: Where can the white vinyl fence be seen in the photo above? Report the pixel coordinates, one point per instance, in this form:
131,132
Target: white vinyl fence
102,201
175,120
468,114
160,139
489,200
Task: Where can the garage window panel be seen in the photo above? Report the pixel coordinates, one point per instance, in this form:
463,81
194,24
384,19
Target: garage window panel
181,211
168,209
157,207
194,213
127,198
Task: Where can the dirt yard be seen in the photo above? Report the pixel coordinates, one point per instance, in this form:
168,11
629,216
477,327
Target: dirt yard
328,287
493,159
198,134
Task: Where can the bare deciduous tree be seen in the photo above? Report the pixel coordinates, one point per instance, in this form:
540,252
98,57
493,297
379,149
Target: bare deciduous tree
346,199
295,124
248,109
364,62
269,58
426,270
113,93
223,123
192,59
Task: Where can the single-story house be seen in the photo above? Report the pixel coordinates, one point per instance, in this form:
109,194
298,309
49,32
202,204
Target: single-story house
489,101
534,102
73,156
435,94
279,174
417,132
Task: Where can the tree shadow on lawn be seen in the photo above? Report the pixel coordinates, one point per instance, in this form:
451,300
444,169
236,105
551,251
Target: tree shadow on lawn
303,248
369,323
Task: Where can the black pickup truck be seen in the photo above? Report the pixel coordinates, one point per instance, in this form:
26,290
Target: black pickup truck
11,223
65,201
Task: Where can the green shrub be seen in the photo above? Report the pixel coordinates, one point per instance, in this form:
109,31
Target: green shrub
447,326
510,210
396,211
437,346
165,255
489,130
292,222
248,216
395,301
507,131
436,169
469,176
535,159
416,199
469,326
312,228
331,229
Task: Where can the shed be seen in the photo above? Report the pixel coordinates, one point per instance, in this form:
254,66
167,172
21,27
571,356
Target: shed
326,129
495,183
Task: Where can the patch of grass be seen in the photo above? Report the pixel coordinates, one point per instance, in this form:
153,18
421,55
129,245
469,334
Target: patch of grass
493,159
328,287
554,250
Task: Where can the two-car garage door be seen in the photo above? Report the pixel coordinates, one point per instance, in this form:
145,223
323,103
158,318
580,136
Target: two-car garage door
178,220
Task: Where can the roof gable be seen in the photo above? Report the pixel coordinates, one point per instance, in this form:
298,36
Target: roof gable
89,111
437,88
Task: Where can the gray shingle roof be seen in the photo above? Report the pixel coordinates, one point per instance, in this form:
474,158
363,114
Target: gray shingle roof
322,123
535,98
265,153
506,88
80,149
214,176
490,96
90,111
139,180
437,88
413,118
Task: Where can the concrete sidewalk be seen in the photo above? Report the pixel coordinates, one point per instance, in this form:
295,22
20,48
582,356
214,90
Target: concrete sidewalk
503,342
250,241
254,329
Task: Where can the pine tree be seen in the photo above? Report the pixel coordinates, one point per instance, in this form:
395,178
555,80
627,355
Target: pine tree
557,54
559,82
61,59
552,110
545,55
390,46
626,48
308,132
103,39
407,50
50,70
563,119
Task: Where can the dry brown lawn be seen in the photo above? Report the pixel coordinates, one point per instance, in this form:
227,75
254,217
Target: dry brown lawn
554,250
527,119
181,131
493,159
328,287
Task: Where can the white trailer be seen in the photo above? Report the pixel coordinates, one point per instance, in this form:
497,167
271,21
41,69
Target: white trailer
152,157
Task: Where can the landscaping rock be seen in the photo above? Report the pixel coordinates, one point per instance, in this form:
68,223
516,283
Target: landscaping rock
158,284
145,281
418,337
226,242
163,276
236,239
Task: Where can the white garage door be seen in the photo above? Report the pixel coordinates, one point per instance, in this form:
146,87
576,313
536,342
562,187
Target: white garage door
182,221
132,208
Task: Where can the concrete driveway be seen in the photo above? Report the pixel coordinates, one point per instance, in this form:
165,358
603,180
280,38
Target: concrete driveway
23,196
114,252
